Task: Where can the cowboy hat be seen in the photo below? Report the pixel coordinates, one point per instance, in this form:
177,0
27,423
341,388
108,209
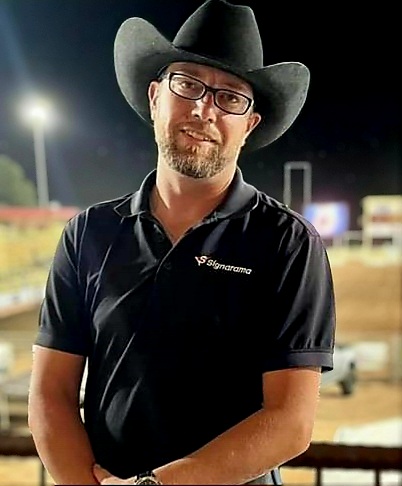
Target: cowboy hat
221,35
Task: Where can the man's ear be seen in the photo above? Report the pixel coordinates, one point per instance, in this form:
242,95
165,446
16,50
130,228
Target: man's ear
152,96
252,122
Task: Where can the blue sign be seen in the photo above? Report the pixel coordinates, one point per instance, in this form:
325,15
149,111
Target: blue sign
330,219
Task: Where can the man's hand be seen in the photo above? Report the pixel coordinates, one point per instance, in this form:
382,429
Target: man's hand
105,477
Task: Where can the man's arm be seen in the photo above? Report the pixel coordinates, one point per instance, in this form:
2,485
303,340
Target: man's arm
281,430
54,416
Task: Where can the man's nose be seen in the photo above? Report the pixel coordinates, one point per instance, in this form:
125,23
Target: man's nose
205,108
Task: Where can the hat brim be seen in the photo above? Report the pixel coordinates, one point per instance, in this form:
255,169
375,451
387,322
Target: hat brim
141,51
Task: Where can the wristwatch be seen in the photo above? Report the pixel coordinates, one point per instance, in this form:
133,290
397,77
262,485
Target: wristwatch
146,478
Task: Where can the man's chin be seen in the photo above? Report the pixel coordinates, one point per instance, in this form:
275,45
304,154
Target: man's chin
193,155
190,173
190,168
194,160
196,149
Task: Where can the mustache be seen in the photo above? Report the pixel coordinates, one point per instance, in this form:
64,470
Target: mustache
201,128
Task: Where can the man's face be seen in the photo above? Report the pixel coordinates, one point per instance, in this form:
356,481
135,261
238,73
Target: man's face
194,136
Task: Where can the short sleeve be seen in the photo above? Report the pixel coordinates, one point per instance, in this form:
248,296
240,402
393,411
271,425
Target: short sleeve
303,309
62,322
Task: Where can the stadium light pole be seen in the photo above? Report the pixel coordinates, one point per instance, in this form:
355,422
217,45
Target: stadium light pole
38,115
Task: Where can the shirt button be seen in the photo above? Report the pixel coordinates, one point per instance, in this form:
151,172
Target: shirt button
168,266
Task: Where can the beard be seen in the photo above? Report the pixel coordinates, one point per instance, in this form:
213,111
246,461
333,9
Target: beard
192,160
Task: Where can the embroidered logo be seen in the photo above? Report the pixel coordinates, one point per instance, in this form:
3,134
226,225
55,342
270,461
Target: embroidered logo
210,262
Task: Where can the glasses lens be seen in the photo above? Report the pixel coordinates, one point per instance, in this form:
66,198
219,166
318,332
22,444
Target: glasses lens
232,102
193,89
186,87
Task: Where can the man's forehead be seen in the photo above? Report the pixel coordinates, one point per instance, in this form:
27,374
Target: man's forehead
196,69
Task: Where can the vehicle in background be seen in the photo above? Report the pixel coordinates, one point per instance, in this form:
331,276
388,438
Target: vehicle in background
344,372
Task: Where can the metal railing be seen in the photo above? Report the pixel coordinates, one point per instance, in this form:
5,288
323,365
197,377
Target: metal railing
322,455
319,456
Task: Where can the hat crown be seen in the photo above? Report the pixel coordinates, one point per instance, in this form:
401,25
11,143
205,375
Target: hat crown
225,32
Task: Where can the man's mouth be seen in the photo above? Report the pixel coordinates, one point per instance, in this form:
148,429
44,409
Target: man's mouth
200,136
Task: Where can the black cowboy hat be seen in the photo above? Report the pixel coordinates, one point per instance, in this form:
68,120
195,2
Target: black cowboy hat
220,35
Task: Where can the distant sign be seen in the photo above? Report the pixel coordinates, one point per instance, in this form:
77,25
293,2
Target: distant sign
382,216
330,219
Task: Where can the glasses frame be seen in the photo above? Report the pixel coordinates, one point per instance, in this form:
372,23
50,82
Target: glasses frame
208,89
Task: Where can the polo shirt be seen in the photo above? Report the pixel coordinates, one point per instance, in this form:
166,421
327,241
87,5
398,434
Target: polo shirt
177,337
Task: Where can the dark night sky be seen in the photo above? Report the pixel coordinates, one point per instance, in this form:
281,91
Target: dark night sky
349,129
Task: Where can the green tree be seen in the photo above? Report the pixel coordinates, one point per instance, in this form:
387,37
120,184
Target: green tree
15,188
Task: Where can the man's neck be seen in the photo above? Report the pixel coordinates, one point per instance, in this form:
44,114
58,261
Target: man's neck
180,202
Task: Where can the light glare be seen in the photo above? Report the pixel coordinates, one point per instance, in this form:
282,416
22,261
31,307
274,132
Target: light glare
37,111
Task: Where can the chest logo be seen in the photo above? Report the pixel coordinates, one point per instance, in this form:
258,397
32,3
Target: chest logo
210,262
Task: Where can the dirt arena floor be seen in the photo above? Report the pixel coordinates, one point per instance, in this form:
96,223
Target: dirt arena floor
369,307
368,299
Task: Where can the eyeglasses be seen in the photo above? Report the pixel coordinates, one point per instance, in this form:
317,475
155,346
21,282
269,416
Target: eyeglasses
191,88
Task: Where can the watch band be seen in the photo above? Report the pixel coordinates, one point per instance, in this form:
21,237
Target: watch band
147,477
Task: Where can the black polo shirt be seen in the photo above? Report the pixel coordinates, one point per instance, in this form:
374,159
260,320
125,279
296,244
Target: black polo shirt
178,336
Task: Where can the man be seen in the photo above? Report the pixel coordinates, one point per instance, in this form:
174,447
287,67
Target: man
204,308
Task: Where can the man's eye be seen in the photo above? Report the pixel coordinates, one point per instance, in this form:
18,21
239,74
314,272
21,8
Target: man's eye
230,98
188,85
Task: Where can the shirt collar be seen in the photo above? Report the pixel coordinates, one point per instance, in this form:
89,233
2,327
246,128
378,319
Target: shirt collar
137,203
241,198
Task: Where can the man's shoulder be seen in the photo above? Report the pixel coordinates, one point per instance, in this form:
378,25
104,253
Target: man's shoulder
104,208
109,205
102,216
283,217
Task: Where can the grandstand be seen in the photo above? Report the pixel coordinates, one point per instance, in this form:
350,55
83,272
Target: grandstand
28,238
